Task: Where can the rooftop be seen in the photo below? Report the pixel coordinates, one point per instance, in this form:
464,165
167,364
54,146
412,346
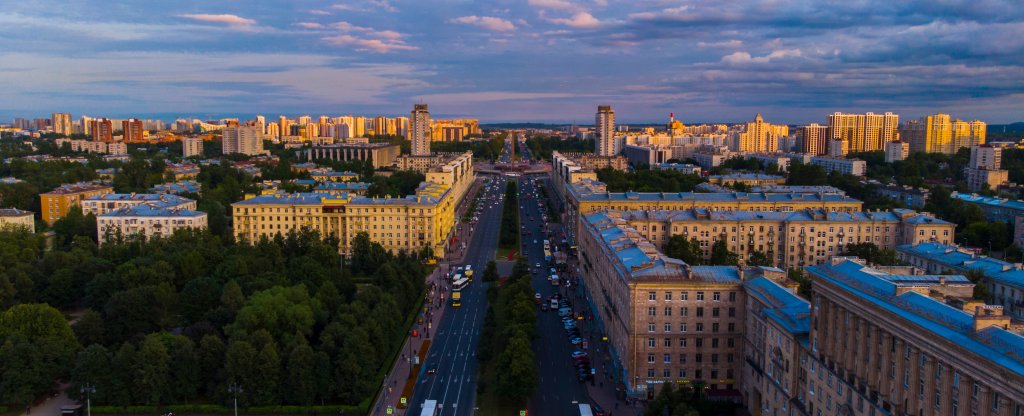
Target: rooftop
14,212
75,188
152,210
342,186
783,306
166,200
1000,271
1002,347
1013,204
747,175
806,215
587,190
178,187
635,258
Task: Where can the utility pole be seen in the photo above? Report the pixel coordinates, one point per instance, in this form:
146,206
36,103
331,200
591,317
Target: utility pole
88,389
234,388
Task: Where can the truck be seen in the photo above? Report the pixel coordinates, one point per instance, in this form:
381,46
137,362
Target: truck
429,408
553,279
469,271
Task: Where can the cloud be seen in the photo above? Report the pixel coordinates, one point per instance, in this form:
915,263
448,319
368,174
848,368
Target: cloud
369,44
494,24
366,6
581,20
228,19
309,25
741,57
319,12
553,4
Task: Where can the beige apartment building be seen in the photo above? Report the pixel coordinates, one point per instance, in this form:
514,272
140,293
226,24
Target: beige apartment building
380,154
422,220
790,238
863,132
148,221
13,218
879,344
666,322
56,203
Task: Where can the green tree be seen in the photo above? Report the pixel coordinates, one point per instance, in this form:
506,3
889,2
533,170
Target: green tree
185,371
517,375
686,250
283,311
90,328
152,370
122,376
758,258
268,365
300,374
92,367
721,256
211,359
240,367
37,346
491,272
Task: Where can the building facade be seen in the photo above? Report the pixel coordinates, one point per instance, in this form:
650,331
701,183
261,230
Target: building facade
789,239
13,218
56,203
379,154
102,204
896,151
855,167
147,221
247,140
191,146
419,130
892,349
604,130
812,139
863,132
62,123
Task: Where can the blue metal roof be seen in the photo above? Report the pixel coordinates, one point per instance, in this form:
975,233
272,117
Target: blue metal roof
178,187
594,191
747,176
343,186
153,210
1002,347
808,215
1012,204
997,270
783,306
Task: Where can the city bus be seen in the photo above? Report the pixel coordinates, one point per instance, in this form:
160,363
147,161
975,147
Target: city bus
547,255
460,283
585,410
429,408
457,287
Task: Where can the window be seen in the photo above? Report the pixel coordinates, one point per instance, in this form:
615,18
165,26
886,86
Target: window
682,342
684,296
667,358
652,296
668,295
714,342
667,372
716,296
650,372
652,311
668,327
730,343
698,357
650,342
668,311
650,327
700,326
714,312
682,327
650,358
732,326
699,342
714,327
732,312
714,358
700,312
684,311
700,295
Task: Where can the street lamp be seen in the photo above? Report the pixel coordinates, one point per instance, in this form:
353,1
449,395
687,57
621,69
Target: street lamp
234,389
88,389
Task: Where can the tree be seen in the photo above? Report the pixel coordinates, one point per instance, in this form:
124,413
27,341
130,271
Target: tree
299,374
89,329
240,367
185,371
686,250
152,370
517,374
92,367
283,311
37,346
758,258
268,365
211,359
721,256
491,272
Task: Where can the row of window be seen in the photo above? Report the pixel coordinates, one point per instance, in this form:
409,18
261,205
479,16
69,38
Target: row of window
683,327
682,342
698,374
685,311
715,296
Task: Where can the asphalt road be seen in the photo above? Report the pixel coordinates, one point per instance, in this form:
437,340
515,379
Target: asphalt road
453,352
559,392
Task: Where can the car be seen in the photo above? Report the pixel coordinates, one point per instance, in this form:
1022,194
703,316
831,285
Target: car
576,341
544,307
578,353
537,265
432,369
536,297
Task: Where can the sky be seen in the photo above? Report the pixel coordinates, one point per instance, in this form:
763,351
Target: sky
794,61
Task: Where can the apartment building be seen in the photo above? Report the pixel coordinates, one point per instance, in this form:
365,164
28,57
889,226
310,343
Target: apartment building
666,322
587,196
780,160
148,221
895,151
983,171
855,167
191,146
604,129
791,239
1005,281
13,218
863,132
422,220
247,140
56,203
749,179
776,325
879,344
102,204
379,154
995,208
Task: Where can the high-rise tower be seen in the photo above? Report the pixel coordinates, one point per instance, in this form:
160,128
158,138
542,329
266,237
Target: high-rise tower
604,129
419,130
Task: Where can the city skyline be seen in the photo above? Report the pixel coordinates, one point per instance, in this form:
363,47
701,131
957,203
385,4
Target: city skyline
538,60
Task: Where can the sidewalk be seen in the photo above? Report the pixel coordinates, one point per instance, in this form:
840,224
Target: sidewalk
401,380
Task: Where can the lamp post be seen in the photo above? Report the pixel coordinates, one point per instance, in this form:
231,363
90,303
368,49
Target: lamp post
88,389
234,389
